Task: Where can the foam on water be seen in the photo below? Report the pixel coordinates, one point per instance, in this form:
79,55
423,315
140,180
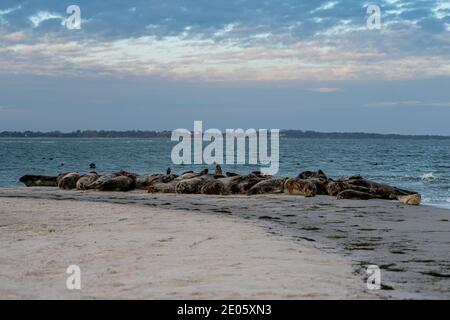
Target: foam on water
439,202
428,177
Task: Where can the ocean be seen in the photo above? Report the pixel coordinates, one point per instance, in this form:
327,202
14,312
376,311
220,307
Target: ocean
422,165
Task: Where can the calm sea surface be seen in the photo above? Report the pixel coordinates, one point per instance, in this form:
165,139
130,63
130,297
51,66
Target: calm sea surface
421,165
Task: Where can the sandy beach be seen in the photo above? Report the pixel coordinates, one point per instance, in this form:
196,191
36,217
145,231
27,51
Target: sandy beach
154,246
126,251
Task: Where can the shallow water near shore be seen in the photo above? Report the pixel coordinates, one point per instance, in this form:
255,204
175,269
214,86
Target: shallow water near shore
422,165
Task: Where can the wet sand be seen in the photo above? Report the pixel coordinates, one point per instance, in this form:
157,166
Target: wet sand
410,244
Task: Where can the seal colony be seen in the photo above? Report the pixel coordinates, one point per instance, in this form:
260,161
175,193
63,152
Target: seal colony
307,184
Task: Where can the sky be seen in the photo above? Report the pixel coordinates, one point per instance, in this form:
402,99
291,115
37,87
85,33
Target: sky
155,65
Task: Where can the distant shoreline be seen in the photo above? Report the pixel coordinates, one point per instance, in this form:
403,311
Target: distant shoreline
138,134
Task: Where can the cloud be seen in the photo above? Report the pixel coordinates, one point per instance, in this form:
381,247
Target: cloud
326,6
234,39
207,60
441,9
172,17
14,37
43,16
5,12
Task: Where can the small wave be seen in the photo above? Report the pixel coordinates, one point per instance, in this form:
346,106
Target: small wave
440,202
429,177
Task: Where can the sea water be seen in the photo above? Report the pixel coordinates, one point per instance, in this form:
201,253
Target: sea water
422,165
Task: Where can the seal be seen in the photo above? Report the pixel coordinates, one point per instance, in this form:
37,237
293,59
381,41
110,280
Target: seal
335,187
300,187
145,181
86,180
218,172
189,175
321,185
194,185
413,200
168,177
240,184
231,174
268,186
102,179
69,181
161,187
119,183
354,195
190,186
213,187
60,176
39,181
358,184
311,174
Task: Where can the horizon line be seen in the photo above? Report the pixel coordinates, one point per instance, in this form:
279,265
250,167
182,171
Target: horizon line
290,132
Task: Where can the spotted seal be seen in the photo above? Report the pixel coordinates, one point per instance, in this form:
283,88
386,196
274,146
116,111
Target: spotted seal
69,181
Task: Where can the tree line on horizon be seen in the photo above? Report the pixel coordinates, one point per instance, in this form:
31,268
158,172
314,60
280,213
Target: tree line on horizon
143,134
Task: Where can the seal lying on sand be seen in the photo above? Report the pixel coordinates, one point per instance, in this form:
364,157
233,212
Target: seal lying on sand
168,177
319,179
231,174
355,195
101,180
145,181
86,180
360,185
39,181
335,187
160,187
69,181
311,174
213,187
307,183
167,183
188,182
193,185
119,183
300,187
268,186
189,175
240,184
413,199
